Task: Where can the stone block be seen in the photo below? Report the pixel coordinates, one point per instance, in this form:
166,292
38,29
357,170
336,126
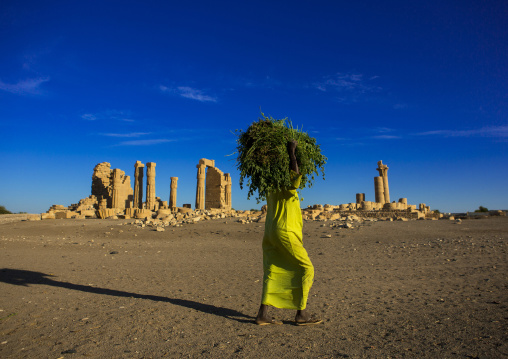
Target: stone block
50,215
164,212
63,215
88,213
106,213
143,213
130,212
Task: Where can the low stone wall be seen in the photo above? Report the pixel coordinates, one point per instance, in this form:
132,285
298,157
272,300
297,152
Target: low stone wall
9,218
380,214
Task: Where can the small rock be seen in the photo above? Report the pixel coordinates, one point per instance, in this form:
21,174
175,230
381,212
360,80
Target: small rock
160,229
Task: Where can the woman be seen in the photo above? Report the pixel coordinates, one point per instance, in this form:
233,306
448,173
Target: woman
288,271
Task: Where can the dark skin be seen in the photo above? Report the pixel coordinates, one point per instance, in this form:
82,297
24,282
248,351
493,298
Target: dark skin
302,316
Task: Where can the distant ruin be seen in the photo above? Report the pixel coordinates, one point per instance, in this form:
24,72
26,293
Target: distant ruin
113,197
380,208
112,194
217,193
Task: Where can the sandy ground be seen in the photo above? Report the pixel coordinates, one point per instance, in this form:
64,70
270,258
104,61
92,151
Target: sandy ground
108,289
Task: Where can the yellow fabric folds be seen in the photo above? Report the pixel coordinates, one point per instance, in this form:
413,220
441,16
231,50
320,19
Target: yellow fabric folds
288,271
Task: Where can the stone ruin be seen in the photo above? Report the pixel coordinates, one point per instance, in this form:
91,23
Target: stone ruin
217,192
113,196
380,208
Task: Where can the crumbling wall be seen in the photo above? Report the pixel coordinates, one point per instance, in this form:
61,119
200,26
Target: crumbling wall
112,186
101,181
215,189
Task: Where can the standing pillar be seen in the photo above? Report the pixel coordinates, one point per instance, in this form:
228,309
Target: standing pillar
383,172
150,186
138,184
379,190
172,193
117,182
228,190
200,188
360,197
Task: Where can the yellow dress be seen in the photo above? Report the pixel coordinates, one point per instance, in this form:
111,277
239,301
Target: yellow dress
288,271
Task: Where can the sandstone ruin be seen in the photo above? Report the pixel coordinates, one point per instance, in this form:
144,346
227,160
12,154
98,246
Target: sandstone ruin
217,193
380,208
113,196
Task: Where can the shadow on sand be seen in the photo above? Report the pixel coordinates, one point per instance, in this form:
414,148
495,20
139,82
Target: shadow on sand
27,278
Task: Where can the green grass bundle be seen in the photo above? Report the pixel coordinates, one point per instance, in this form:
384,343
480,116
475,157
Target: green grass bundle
263,158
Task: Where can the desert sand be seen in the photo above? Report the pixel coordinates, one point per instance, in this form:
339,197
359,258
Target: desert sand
110,289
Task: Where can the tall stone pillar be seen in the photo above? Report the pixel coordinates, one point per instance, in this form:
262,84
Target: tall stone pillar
138,184
379,189
172,193
383,172
228,190
360,197
150,186
117,183
200,188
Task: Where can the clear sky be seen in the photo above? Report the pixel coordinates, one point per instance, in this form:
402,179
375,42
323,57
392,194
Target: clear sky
421,85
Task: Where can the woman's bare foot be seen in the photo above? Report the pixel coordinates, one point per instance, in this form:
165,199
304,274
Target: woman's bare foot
304,318
263,318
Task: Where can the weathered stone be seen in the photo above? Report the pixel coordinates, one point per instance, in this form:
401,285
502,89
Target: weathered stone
150,186
383,172
106,213
172,193
48,215
379,189
111,185
143,213
63,215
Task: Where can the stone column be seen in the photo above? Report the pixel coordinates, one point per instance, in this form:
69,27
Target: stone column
172,193
379,189
360,197
228,190
150,186
383,172
117,183
200,188
138,184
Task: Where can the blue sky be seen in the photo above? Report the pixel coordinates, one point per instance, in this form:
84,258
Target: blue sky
421,85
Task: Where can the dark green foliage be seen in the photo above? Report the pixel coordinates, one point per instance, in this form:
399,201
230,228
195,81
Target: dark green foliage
263,158
482,209
436,211
3,210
